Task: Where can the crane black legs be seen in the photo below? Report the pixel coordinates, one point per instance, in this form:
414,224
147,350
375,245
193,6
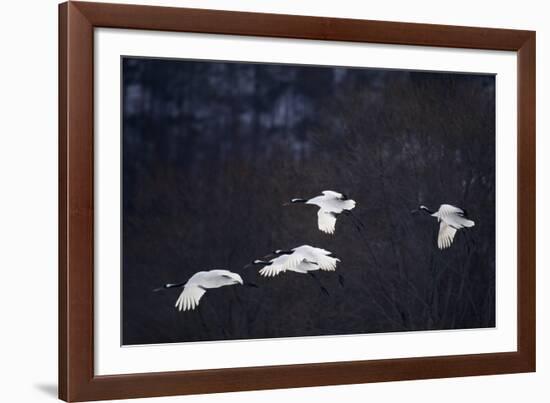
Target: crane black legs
355,220
203,322
323,289
341,279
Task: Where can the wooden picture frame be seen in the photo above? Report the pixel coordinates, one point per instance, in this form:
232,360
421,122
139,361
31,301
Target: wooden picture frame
77,21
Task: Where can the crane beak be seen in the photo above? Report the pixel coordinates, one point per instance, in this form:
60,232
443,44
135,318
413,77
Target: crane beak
253,285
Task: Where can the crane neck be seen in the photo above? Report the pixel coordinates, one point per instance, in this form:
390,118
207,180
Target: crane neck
262,262
284,252
174,285
426,209
165,286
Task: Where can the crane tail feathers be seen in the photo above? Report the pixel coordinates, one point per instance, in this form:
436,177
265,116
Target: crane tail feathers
349,204
469,223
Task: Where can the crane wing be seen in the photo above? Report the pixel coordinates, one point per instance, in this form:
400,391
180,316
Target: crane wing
311,251
272,270
280,264
447,209
327,263
446,235
326,221
189,297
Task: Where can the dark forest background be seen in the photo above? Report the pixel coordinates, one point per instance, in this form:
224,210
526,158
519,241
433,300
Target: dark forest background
211,151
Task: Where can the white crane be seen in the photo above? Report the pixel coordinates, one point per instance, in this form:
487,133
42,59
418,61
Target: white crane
450,219
330,204
198,283
324,259
283,263
303,259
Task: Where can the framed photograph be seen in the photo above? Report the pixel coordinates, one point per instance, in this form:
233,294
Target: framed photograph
254,201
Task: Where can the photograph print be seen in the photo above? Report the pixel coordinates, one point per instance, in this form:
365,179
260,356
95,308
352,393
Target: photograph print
275,200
